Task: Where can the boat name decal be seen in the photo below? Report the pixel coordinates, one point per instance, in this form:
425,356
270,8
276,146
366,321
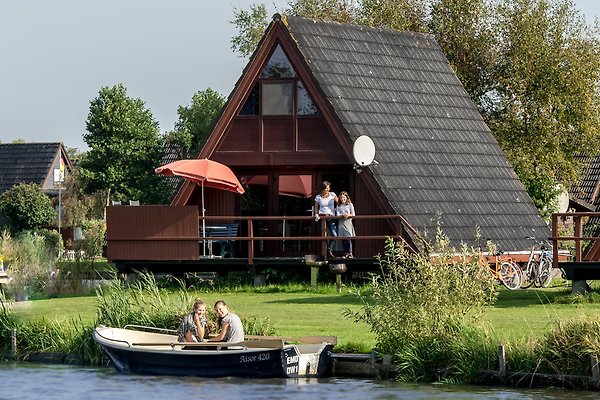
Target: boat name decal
292,360
254,358
293,369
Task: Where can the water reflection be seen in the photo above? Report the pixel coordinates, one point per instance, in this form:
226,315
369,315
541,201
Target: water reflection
25,381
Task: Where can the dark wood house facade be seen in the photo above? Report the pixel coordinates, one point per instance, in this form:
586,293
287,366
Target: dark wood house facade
309,91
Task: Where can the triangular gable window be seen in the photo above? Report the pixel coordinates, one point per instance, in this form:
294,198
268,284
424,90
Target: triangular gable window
278,66
305,105
278,85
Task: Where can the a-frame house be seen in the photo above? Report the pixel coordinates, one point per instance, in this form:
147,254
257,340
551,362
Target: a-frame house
312,88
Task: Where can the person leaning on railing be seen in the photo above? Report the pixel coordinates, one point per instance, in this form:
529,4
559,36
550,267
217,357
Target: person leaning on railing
345,210
325,203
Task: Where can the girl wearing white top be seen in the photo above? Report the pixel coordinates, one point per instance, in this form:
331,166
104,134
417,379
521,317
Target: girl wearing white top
345,210
325,203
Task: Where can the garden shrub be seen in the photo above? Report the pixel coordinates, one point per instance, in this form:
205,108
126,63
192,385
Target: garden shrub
421,307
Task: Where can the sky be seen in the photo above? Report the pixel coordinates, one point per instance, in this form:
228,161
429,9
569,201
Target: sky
56,55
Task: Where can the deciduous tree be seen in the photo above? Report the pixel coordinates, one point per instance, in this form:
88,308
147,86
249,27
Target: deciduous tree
25,207
195,121
545,101
125,147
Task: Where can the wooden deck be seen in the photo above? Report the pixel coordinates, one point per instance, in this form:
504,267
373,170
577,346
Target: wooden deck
169,239
584,263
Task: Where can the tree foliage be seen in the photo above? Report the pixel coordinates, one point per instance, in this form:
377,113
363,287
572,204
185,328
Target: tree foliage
26,207
532,67
195,121
125,147
251,26
546,93
463,30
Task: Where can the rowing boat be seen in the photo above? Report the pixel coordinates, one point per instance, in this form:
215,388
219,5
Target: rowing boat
134,349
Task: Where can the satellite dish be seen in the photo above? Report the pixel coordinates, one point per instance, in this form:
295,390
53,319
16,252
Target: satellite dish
364,151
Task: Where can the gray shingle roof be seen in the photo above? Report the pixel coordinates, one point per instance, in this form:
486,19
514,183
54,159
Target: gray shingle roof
586,190
437,158
26,162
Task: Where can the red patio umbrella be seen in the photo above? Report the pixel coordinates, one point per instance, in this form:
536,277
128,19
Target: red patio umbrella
206,173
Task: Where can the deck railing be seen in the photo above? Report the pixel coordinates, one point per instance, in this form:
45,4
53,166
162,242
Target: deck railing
576,237
399,229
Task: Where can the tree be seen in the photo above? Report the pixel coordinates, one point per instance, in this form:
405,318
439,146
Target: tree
125,147
463,30
195,121
545,109
402,15
328,10
25,207
251,25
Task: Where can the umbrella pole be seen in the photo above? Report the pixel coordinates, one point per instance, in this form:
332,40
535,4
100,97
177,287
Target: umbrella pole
203,222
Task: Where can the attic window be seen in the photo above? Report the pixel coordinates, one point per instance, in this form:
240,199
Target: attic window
278,66
277,98
251,104
305,104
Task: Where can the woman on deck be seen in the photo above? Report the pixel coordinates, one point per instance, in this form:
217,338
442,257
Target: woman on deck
345,210
325,203
231,325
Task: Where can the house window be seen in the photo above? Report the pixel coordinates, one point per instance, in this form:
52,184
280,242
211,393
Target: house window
277,98
305,105
279,91
278,66
251,105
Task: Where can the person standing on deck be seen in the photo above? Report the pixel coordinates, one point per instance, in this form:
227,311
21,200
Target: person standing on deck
324,205
345,210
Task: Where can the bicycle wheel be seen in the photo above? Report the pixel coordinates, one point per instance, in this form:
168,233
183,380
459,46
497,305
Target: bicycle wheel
530,274
544,278
510,275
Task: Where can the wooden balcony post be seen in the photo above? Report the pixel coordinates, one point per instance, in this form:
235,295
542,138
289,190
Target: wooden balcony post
250,242
578,235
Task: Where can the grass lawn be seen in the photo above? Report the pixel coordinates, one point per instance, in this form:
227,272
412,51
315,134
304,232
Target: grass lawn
517,315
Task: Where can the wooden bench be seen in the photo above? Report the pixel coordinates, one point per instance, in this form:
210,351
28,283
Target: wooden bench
226,248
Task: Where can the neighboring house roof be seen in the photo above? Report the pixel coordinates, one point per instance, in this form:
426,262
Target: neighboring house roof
437,159
31,163
587,192
588,189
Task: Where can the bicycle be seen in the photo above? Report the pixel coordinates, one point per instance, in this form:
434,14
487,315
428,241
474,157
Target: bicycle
505,270
538,270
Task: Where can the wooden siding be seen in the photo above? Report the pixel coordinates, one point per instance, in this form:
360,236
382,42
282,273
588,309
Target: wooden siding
152,233
366,202
314,135
243,135
278,134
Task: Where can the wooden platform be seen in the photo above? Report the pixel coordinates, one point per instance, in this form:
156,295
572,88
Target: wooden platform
217,264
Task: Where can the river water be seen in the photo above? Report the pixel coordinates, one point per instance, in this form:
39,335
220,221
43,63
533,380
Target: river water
25,381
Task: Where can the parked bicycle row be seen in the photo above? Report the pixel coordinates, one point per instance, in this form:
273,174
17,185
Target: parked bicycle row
536,272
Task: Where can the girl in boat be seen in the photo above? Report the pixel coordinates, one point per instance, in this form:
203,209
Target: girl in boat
231,325
194,324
